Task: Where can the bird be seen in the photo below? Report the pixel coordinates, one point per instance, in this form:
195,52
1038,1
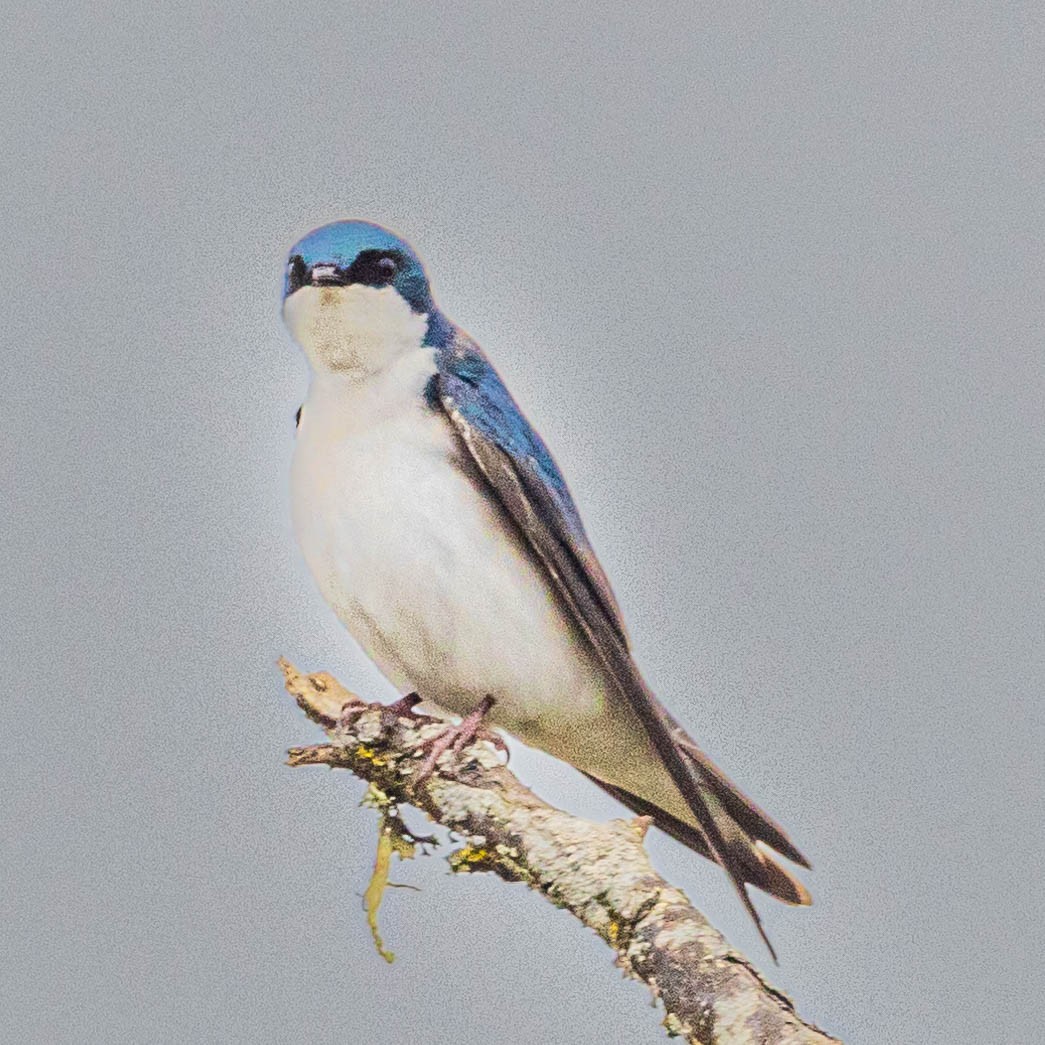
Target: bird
442,533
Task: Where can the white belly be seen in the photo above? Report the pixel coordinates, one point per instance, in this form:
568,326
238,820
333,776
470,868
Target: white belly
421,566
414,560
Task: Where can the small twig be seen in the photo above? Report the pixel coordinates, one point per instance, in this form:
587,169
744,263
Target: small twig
712,994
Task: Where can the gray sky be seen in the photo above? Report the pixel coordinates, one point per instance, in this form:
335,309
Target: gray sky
768,280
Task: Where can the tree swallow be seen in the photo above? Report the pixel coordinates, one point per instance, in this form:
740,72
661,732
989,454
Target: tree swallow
443,535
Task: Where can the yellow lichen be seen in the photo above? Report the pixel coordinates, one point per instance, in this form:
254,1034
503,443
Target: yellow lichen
472,855
674,1026
368,754
375,891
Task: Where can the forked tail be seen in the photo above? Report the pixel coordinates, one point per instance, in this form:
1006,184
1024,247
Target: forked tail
733,833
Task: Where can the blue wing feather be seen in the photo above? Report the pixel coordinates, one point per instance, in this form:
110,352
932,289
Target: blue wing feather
522,475
484,402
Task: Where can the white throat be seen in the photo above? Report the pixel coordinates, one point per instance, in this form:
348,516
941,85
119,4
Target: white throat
356,331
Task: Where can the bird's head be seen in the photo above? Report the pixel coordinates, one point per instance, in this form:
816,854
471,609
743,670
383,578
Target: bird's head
355,296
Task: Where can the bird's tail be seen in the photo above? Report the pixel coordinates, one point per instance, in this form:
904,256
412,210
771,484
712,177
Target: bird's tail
743,831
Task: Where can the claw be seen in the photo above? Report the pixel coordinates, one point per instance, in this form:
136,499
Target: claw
349,713
457,738
403,708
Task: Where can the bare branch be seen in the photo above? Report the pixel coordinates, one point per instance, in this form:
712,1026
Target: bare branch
599,872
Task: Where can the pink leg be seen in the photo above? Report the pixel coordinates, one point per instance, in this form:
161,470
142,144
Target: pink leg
403,708
457,738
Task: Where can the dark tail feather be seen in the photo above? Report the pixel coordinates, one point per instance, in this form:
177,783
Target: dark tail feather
754,821
730,828
759,870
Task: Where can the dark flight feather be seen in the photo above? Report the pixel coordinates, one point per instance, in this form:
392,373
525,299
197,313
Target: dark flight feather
521,472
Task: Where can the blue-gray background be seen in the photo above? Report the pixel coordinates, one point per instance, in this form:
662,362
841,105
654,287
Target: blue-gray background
769,280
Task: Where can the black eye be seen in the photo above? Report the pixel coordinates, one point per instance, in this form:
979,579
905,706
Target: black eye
385,270
373,269
297,270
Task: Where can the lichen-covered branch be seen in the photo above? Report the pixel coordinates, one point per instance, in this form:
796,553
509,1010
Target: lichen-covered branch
598,872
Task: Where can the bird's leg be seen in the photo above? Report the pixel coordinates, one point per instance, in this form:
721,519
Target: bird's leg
404,708
457,738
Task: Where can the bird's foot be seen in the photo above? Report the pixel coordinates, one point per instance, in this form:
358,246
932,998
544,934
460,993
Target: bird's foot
404,707
457,738
390,713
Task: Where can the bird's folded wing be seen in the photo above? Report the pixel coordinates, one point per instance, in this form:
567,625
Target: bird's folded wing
523,476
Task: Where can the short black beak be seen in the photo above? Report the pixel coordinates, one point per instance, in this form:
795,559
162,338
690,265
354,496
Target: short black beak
322,275
327,276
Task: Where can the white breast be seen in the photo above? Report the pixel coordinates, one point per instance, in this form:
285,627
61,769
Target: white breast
417,562
420,563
